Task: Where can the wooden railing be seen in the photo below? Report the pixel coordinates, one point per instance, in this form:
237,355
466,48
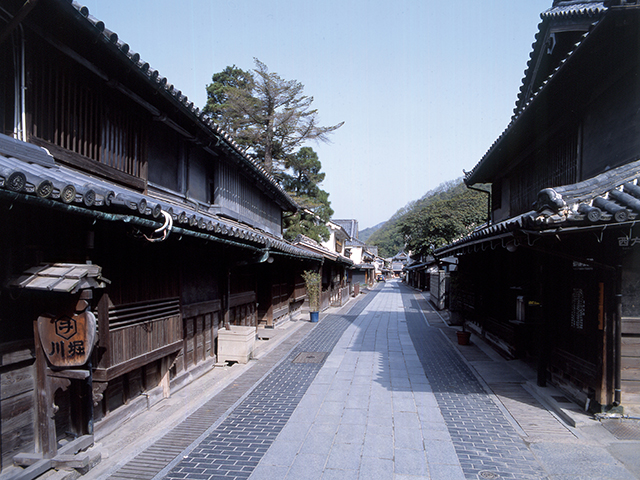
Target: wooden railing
325,300
140,333
201,321
140,312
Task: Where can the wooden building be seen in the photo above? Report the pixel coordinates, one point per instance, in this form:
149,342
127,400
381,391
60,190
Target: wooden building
336,285
123,205
418,273
555,277
361,254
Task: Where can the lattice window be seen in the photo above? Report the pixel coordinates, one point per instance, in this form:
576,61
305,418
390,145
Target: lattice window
549,167
72,109
578,309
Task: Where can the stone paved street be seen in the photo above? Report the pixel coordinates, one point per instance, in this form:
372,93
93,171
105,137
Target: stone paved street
379,390
485,442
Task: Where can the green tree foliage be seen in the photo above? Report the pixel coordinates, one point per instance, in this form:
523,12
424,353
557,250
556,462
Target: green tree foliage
301,178
443,220
218,106
388,239
363,235
264,112
398,233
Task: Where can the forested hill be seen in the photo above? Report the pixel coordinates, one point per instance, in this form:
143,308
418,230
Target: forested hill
412,220
364,235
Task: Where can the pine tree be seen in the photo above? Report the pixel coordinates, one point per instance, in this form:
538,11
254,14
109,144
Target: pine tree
264,112
301,179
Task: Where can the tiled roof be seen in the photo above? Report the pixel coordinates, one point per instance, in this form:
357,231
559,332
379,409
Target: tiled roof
350,226
609,199
354,242
56,186
339,230
160,83
575,9
595,10
307,243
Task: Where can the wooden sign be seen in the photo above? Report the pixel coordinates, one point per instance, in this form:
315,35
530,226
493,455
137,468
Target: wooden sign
67,340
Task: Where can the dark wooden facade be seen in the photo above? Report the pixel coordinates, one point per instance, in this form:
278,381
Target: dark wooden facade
558,284
183,224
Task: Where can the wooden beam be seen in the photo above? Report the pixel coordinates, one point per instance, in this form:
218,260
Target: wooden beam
45,437
107,374
34,471
103,330
18,17
197,309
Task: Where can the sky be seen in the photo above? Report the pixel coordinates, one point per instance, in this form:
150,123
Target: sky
423,87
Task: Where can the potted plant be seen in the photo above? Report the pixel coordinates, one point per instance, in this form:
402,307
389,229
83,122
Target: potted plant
312,281
463,335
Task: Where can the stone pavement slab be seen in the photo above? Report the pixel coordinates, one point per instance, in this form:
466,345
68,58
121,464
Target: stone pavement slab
380,390
370,412
234,447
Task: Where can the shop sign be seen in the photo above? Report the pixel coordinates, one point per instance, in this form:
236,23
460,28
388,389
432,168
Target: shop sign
628,241
68,339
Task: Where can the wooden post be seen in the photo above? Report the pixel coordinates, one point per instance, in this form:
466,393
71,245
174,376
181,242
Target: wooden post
546,310
165,370
86,388
227,299
87,399
45,438
103,330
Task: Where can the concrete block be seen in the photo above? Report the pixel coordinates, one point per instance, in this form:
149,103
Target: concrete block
237,344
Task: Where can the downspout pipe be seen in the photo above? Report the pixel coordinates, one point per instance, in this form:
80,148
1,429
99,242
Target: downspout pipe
617,321
488,192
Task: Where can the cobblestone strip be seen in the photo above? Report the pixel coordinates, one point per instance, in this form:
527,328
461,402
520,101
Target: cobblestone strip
156,457
486,443
234,448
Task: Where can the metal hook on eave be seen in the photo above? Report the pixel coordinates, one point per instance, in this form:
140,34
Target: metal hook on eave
529,242
165,229
600,237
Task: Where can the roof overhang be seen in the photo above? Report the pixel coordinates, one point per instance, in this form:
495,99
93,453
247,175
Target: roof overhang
61,278
607,52
308,244
32,179
607,201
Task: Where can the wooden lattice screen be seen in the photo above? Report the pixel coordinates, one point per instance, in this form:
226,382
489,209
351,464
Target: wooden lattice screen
75,110
550,167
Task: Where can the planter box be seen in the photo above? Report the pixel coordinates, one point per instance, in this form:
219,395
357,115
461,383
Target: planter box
236,345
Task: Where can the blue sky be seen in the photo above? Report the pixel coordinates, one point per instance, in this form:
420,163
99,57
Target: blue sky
424,87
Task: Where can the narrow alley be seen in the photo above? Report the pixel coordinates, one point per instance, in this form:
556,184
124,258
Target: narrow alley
377,389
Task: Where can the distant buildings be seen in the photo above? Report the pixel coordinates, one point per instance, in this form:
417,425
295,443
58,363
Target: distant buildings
365,257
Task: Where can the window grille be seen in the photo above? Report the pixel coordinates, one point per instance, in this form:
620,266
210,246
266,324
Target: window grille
72,109
550,167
